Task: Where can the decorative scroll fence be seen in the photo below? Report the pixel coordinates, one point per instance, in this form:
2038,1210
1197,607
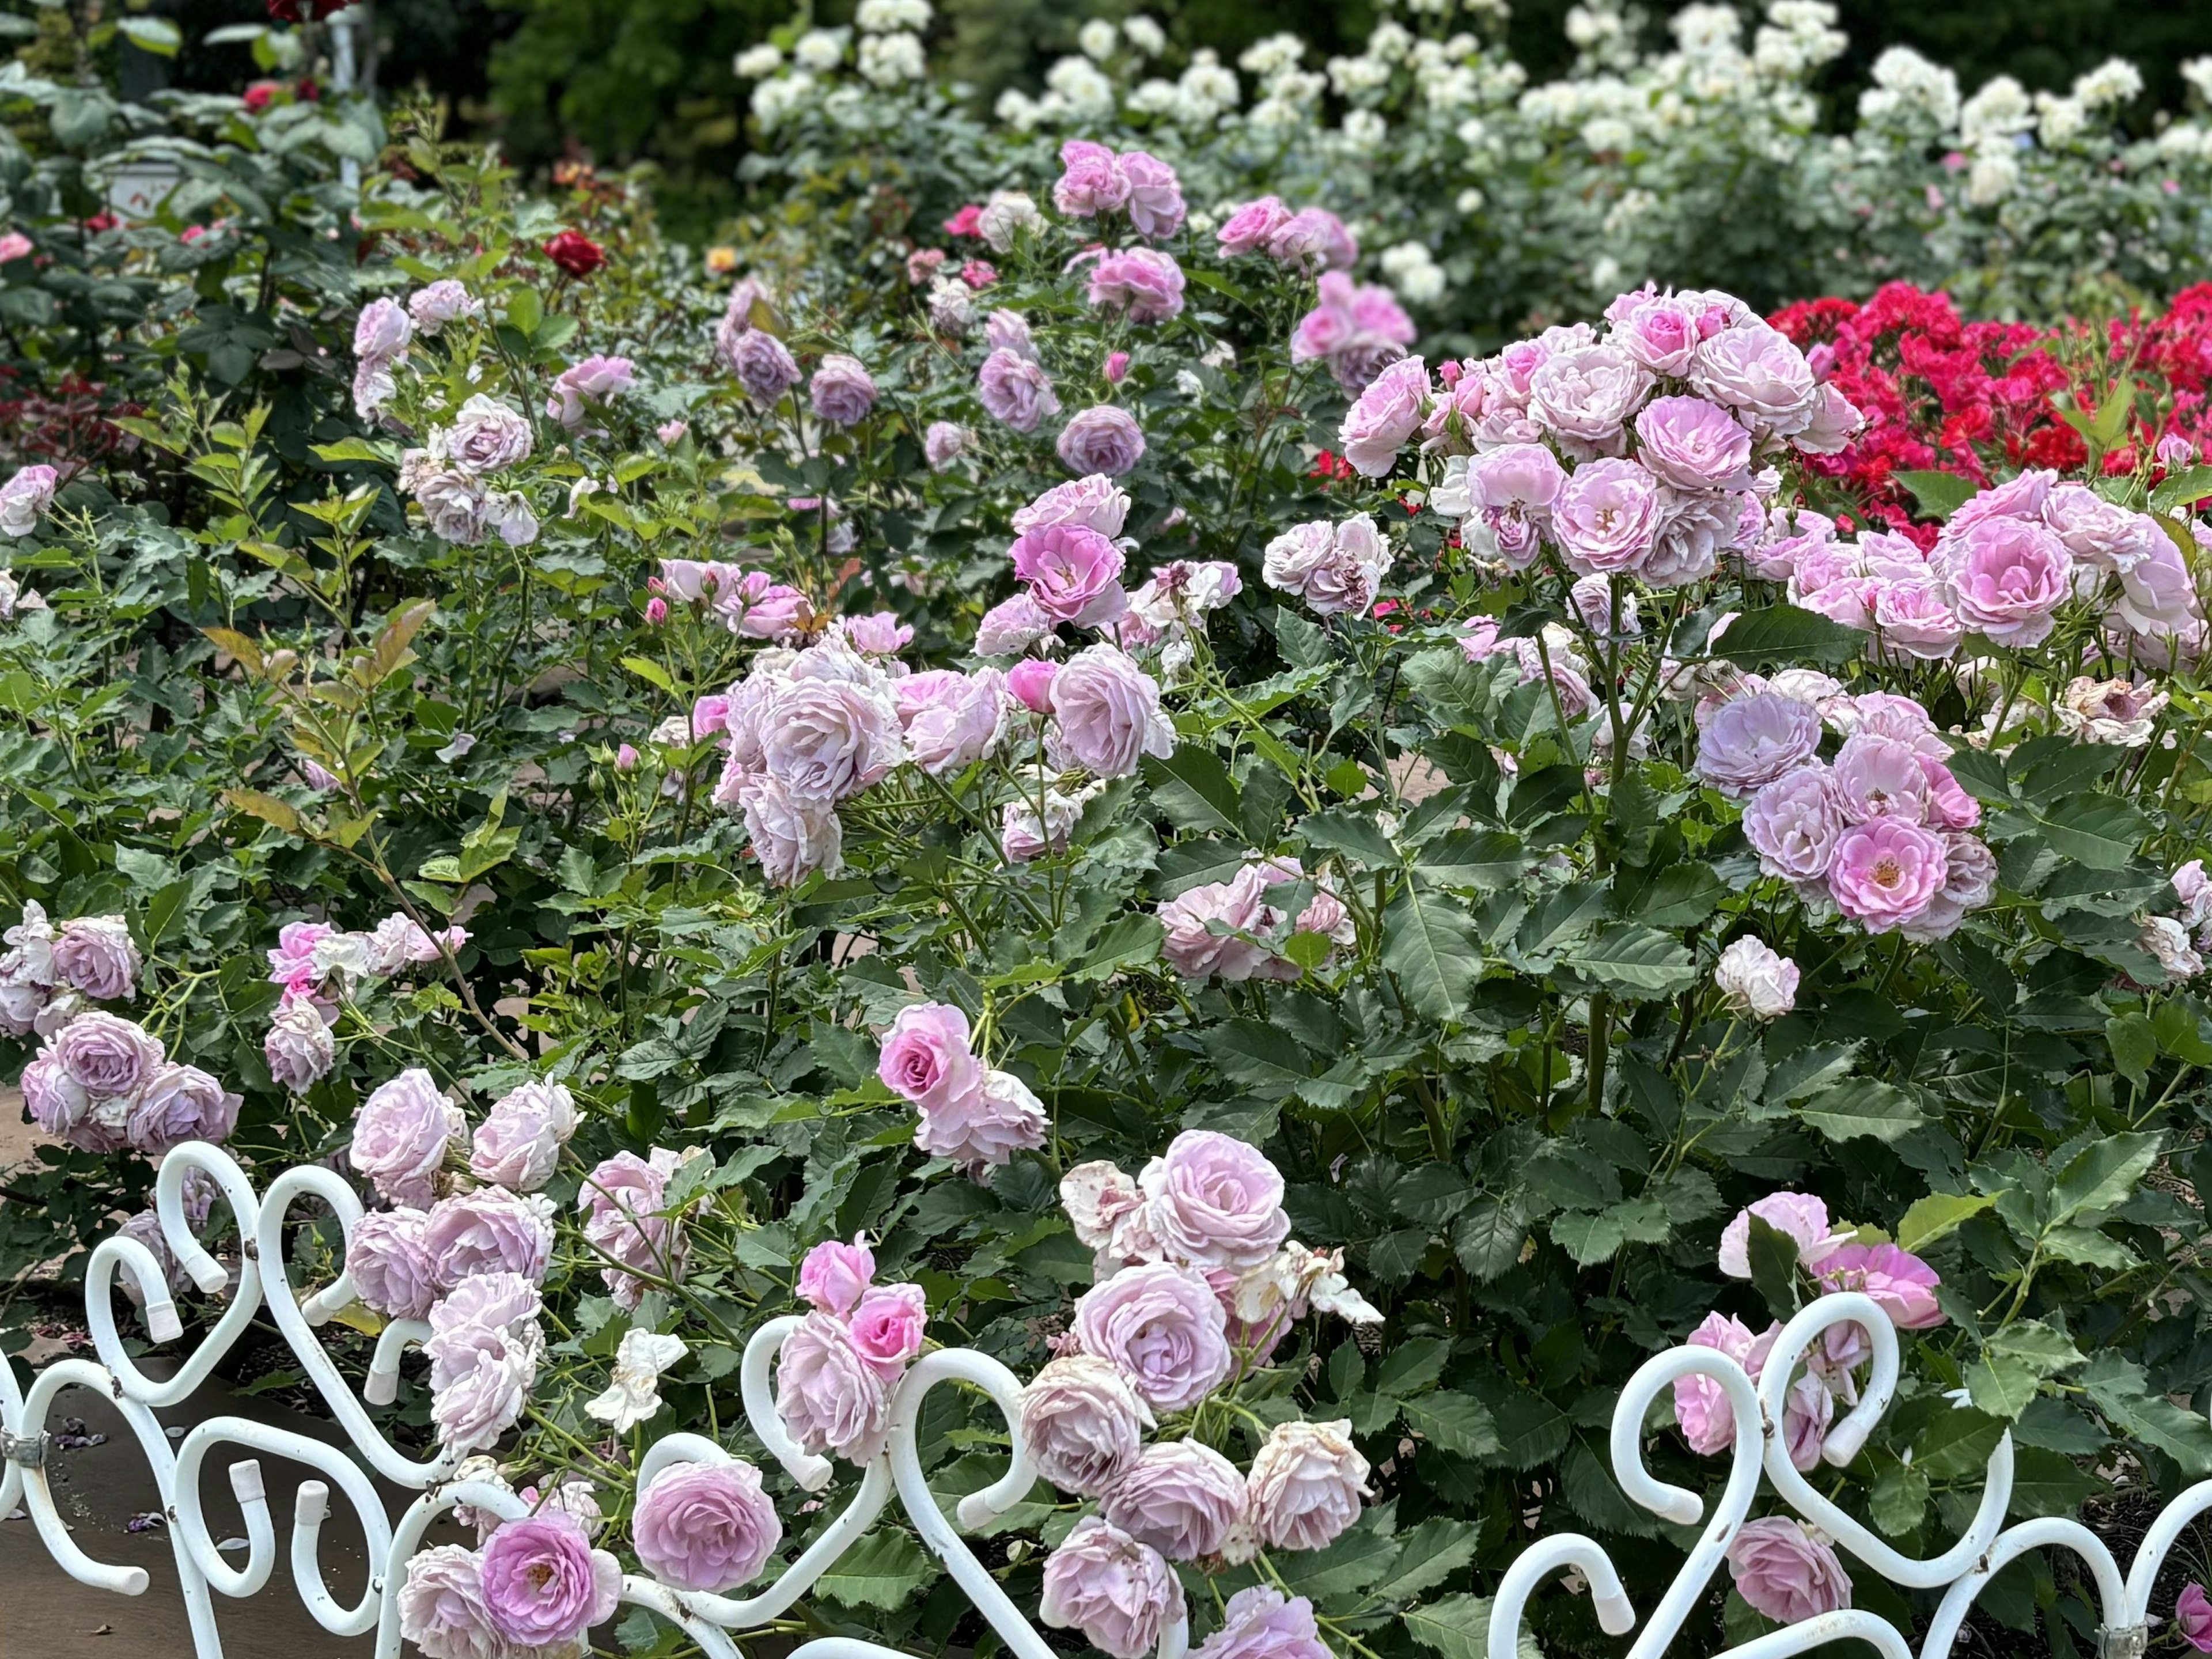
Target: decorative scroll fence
178,1468
1960,1572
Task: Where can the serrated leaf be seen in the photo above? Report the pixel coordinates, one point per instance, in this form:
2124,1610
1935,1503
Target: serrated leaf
1458,1627
2119,1388
1194,788
1938,1216
2044,1349
268,808
1483,859
1680,895
2100,830
2102,1177
2001,1386
1937,494
1352,1562
1428,1555
884,1569
1862,1106
1349,833
1459,1423
1428,943
1785,633
1489,1236
1897,1500
1635,961
2044,1483
1413,1367
1772,1256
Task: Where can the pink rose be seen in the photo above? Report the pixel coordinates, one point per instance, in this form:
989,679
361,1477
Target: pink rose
1073,573
489,1231
1181,1497
944,443
1191,947
441,1605
1011,627
543,1584
1163,1328
1029,681
1215,1201
1155,197
2192,1618
1118,1592
1754,740
1901,1283
106,1056
1876,777
518,1144
1305,1485
1106,713
1693,445
1609,516
1250,229
177,1103
1758,373
593,384
829,1397
952,720
793,836
1787,1571
1313,238
842,391
1385,418
401,1135
835,1275
1091,180
389,1265
1082,1424
621,1203
1793,823
1913,619
1702,1410
1754,980
1016,390
1259,1624
95,955
706,1527
887,1327
985,1127
763,366
1105,440
1142,282
2005,577
1660,332
1588,393
1799,1215
1886,872
925,1058
299,1048
1094,503
826,739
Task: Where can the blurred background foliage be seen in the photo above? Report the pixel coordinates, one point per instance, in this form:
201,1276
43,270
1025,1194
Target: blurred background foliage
627,83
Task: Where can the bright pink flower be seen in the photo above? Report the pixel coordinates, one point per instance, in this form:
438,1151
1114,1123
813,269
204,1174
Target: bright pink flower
1899,1281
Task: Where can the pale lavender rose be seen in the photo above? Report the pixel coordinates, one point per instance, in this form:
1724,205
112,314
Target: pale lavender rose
454,505
1335,568
1119,1593
1011,627
1788,1572
1009,330
401,1135
887,1326
1886,872
829,1395
1073,573
2168,942
1248,228
1914,620
943,444
95,955
298,1049
1659,331
2006,578
177,1103
442,1606
1385,418
2158,598
1181,1498
520,1141
1701,1405
1759,373
621,1201
842,391
835,1275
1093,503
381,332
1831,425
1754,740
952,720
880,634
1092,180
487,435
480,1381
543,1584
486,1231
1609,516
1189,944
373,387
1164,1327
764,366
1106,713
494,1301
1752,978
792,837
2021,497
1082,1423
706,1527
1155,203
1693,445
1104,439
1313,238
1901,1283
984,1127
441,303
29,493
925,1057
1801,1216
1016,390
1695,528
1142,282
1215,1201
1588,393
826,739
63,1108
107,1056
389,1264
1305,1485
592,383
1259,1623
2097,532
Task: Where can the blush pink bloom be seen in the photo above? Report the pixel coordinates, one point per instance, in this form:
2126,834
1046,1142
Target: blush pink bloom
1313,238
1886,872
2192,1618
177,1103
706,1527
1029,681
1914,619
442,1606
621,1201
2006,578
984,1127
1660,332
835,1275
887,1327
591,385
1106,713
518,1144
1900,1282
1588,393
1259,1623
1249,227
952,720
944,443
1094,503
1801,1216
390,1266
1609,516
1163,1328
1015,392
826,739
1105,439
1215,1201
1385,418
1142,282
96,954
299,1048
791,835
1702,1410
1119,1593
1155,199
1181,1498
1693,445
1011,627
925,1058
1788,1572
489,1231
1305,1485
1082,1423
401,1135
1091,180
763,366
1194,950
829,1397
1758,371
1753,740
544,1583
1876,777
841,390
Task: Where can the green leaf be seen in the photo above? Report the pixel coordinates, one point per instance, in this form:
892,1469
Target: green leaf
1634,960
1458,1627
2044,1349
1680,895
651,672
1938,495
1862,1106
1194,788
1428,1555
1348,832
1458,1423
1304,645
2044,1483
1785,633
525,311
2102,1177
1128,941
1262,1058
1489,1236
1897,1500
1413,1367
352,449
884,1569
155,34
1955,1443
1428,943
1773,1257
1354,1561
1938,1216
2100,830
2001,1386
2119,1388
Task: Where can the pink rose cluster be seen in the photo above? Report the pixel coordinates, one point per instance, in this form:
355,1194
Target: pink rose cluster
2002,567
1670,417
964,1111
102,1083
1899,1283
1096,183
48,975
1236,929
1335,568
836,1373
1309,239
1884,832
1015,390
1356,329
317,965
535,1588
749,602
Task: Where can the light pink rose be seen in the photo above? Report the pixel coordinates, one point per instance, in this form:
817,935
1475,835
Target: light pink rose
382,331
1799,1215
829,1397
925,1058
95,955
177,1103
1886,872
1259,1623
706,1527
1162,1327
985,1127
1091,180
1313,238
763,366
1073,573
1588,393
1249,227
1385,418
1660,332
841,392
106,1056
1155,202
887,1326
826,739
487,435
1143,283
489,1231
299,1048
389,1265
1104,439
1787,1571
621,1203
1016,390
1011,627
591,385
26,495
793,836
1118,1592
1609,516
952,720
2005,577
1029,684
1106,713
1215,1201
1876,777
1754,980
1093,503
518,1144
480,1381
2192,1609
1181,1497
442,1606
1305,1485
401,1135
835,1275
1758,371
441,303
1901,1283
944,443
1082,1423
1193,950
1701,1405
1693,445
1753,740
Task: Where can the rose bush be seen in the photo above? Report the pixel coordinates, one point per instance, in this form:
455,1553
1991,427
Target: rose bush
1321,920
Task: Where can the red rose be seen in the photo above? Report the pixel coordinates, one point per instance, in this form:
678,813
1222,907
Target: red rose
260,95
575,253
